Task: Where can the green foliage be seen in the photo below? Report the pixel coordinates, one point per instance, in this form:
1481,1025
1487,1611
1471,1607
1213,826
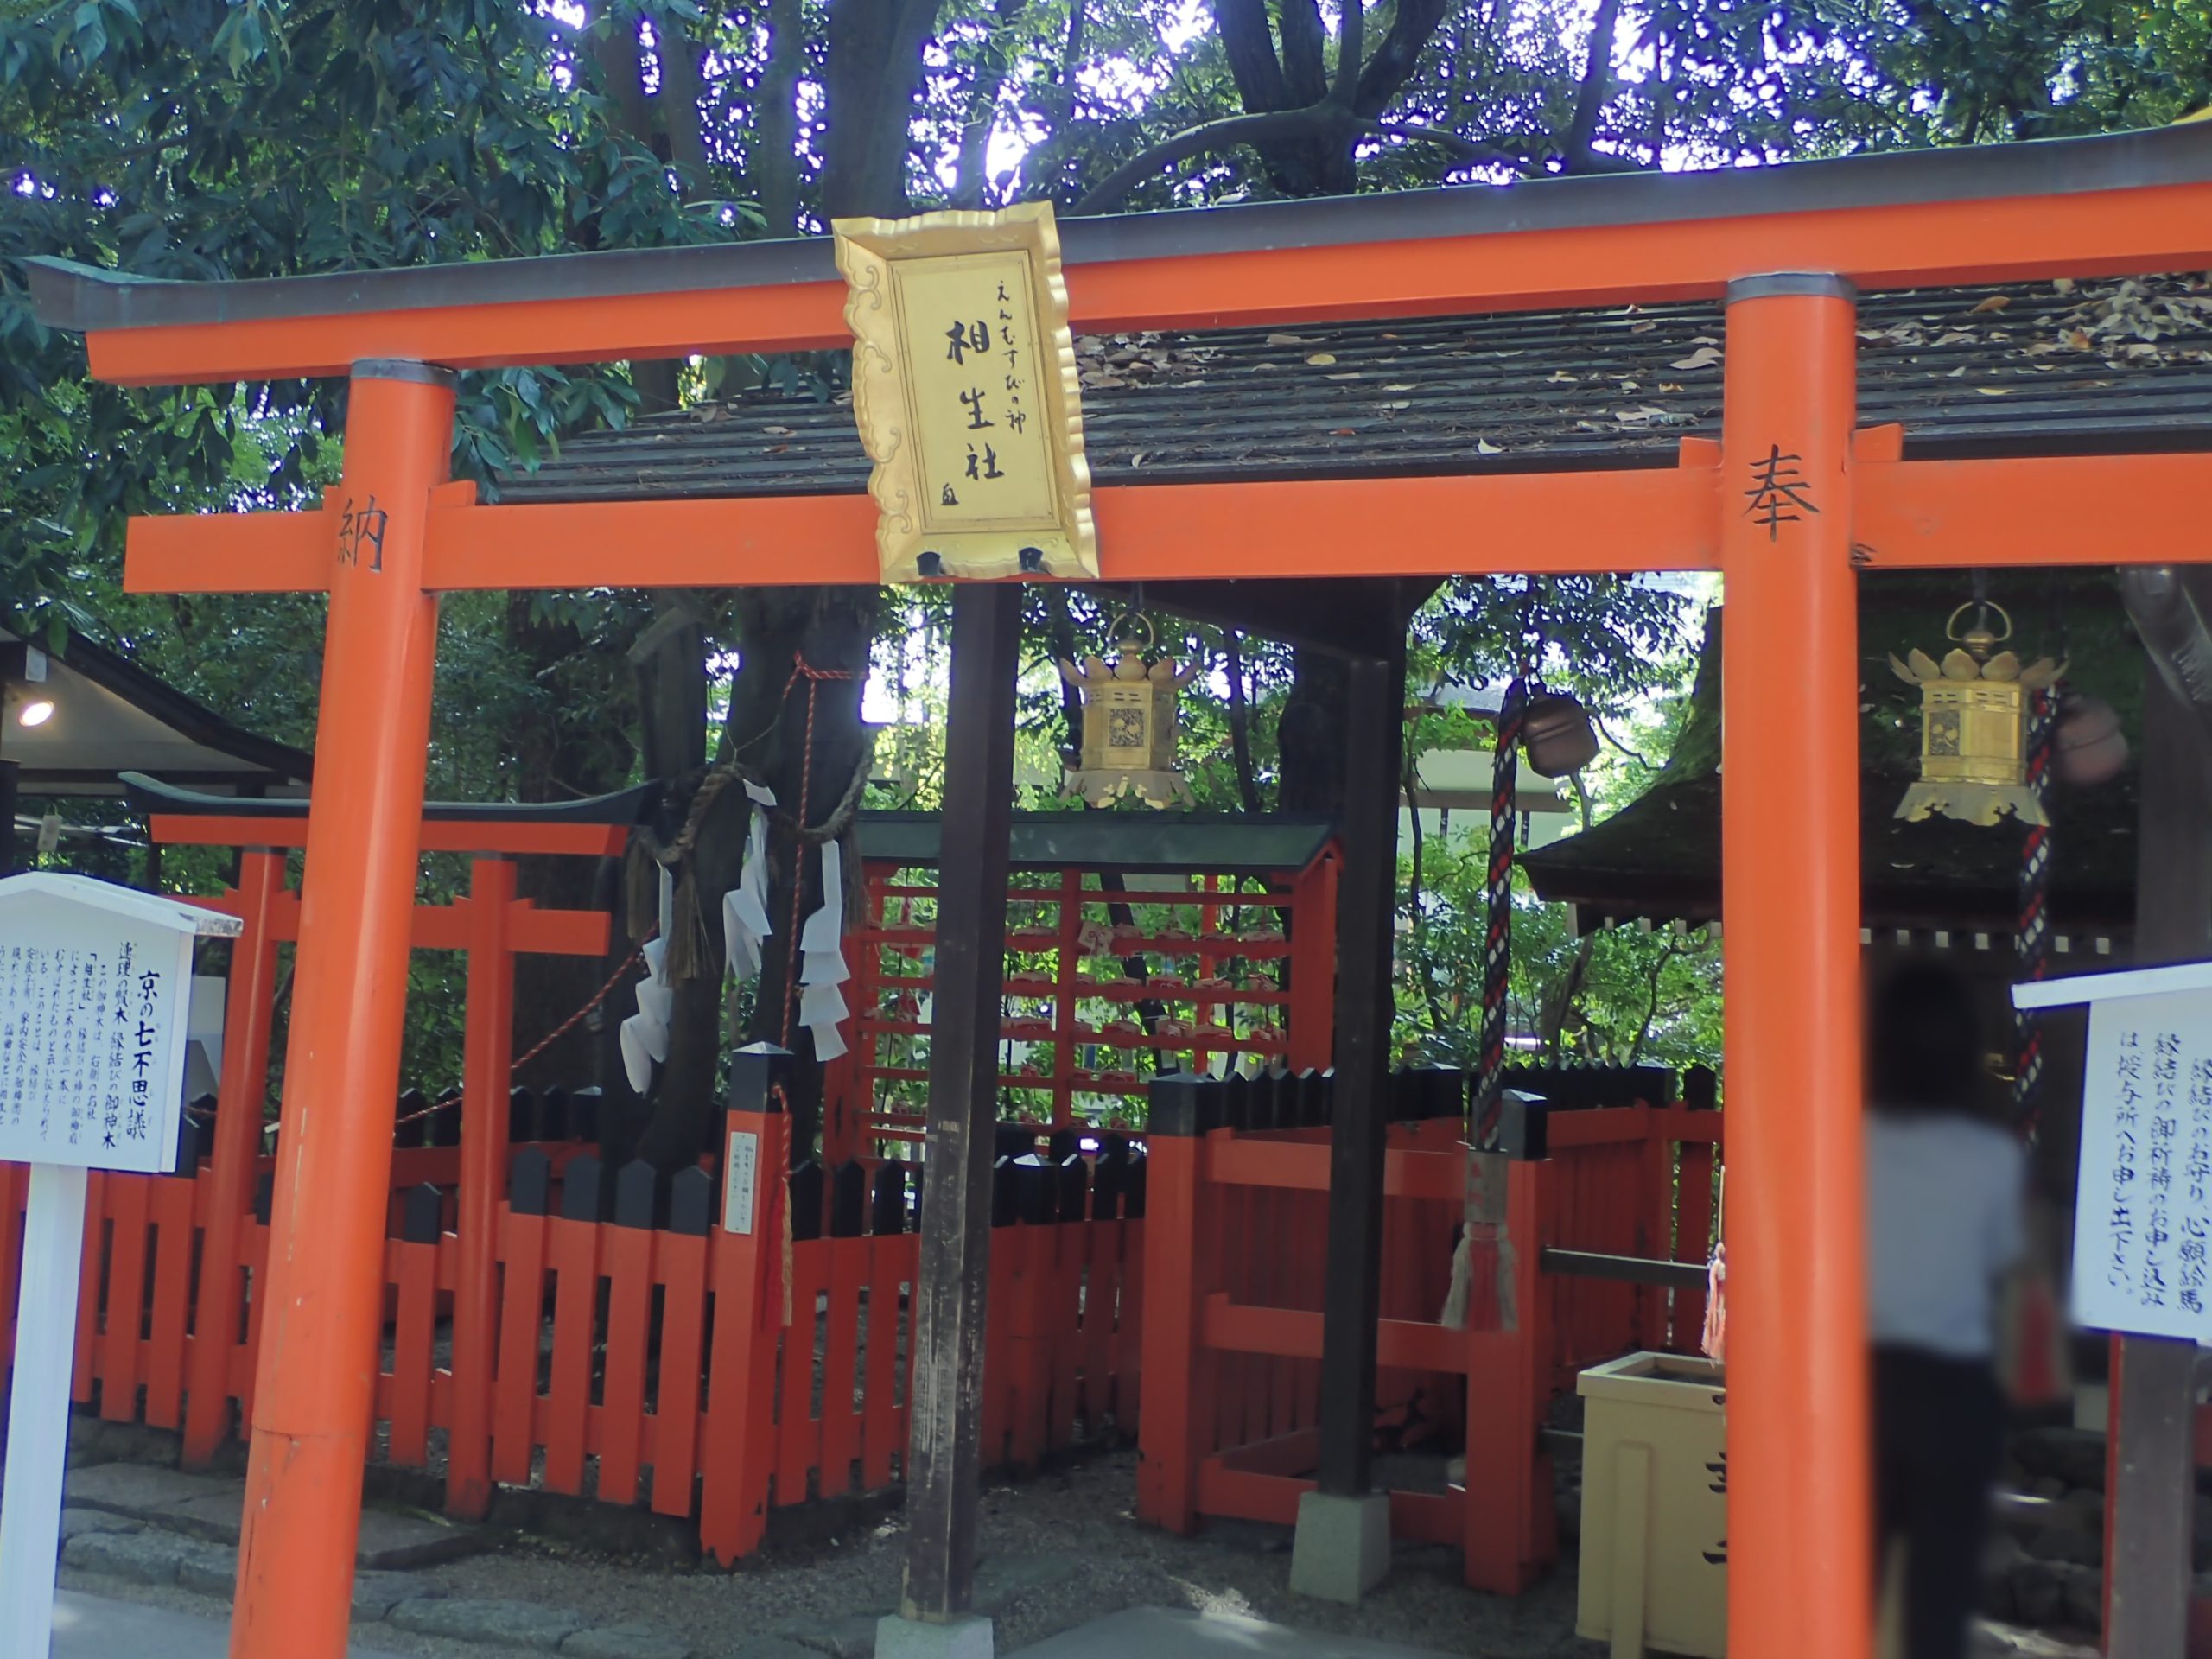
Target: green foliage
252,138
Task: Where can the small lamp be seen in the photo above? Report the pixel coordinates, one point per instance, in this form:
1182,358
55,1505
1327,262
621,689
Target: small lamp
1129,722
1973,724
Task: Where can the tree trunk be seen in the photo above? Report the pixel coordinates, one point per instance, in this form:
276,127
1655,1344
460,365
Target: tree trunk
776,170
569,754
1309,736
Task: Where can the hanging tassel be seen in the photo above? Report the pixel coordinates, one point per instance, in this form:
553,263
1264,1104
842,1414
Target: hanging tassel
689,949
1454,1316
641,885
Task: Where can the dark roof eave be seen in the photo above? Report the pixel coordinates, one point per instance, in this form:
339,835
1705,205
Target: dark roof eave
83,299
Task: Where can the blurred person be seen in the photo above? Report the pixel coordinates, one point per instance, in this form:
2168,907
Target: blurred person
1946,1198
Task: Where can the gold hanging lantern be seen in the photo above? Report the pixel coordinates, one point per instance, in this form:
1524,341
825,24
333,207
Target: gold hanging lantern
1129,722
1973,724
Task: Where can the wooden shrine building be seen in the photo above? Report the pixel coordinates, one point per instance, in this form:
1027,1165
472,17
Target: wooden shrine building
1811,477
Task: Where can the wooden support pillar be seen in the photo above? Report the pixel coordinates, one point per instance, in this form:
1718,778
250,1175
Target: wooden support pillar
9,772
2154,1409
1799,1546
314,1384
248,1010
1366,890
487,1065
943,1452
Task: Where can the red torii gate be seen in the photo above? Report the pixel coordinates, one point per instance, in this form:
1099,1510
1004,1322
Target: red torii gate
492,927
396,532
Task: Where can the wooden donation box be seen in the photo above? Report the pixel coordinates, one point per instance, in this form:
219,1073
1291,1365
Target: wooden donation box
2143,1210
95,989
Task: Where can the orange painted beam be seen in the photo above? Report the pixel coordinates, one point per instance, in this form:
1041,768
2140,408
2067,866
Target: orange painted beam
530,932
2074,510
2166,227
508,835
230,553
1655,518
1910,514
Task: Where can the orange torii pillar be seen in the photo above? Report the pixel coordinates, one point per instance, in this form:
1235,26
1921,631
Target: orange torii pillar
249,1014
316,1377
1799,1546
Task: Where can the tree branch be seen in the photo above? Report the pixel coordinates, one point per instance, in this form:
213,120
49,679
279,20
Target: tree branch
679,96
774,163
1385,74
1313,122
1203,139
1304,66
1240,723
1251,53
1351,48
1597,87
969,175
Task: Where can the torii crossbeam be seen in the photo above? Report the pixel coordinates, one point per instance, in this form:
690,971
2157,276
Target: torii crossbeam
1788,506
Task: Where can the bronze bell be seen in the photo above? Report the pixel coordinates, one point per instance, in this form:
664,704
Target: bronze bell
1557,735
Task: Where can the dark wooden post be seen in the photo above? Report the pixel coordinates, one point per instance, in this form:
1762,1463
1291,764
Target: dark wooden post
8,772
1365,892
2154,1397
943,1451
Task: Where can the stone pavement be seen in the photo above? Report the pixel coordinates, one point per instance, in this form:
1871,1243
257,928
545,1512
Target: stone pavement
1160,1633
165,1528
92,1627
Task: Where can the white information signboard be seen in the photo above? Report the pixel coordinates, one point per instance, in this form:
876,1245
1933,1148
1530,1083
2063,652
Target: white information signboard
2143,1209
95,982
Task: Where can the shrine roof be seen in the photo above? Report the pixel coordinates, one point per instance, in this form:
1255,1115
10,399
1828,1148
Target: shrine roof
1658,860
77,297
111,716
1138,844
2042,369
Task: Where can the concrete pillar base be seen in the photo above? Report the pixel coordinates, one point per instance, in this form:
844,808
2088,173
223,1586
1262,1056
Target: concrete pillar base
898,1637
1342,1547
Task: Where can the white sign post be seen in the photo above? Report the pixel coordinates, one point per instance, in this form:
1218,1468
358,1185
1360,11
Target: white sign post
95,982
2143,1209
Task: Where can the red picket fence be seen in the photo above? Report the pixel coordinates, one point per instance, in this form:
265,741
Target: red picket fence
1234,1322
645,1351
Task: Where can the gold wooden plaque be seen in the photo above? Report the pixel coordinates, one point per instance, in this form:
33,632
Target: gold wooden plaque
965,391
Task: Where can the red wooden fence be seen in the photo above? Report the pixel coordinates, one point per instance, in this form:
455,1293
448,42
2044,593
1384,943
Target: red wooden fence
1233,1332
643,1348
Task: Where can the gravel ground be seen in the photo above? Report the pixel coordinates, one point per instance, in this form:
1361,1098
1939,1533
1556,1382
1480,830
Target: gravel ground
1070,1541
1054,1553
373,1638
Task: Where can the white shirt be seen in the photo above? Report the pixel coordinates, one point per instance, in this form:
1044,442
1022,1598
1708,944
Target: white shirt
1945,1197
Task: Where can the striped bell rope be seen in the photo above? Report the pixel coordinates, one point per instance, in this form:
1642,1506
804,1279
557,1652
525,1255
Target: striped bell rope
2031,936
1498,943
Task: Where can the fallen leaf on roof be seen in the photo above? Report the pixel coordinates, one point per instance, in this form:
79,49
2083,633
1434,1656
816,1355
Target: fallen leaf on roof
1348,374
777,431
1484,446
1137,460
1671,385
1342,432
1956,337
1704,358
1993,391
1289,340
1321,359
1401,403
1561,376
2062,285
1406,387
1641,328
1995,302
